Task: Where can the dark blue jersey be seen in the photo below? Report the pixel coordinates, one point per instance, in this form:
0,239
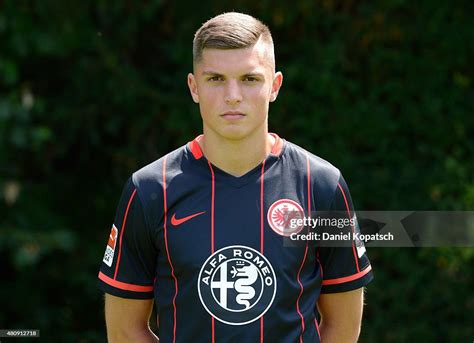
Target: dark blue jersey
210,247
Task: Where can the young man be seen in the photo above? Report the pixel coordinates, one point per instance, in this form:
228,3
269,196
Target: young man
201,230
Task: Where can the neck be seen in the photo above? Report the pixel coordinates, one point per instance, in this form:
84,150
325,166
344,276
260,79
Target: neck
236,157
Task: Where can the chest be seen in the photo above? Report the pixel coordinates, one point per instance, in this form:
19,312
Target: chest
205,217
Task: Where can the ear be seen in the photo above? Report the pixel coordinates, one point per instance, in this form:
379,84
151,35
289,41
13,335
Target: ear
193,88
277,82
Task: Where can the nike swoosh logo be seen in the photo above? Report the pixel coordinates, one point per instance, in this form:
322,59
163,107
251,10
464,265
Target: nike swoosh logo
178,221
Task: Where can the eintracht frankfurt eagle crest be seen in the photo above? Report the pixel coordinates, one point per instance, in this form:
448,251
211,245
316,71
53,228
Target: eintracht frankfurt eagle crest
281,213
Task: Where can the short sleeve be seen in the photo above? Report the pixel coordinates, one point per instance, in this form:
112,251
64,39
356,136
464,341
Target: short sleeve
128,266
344,267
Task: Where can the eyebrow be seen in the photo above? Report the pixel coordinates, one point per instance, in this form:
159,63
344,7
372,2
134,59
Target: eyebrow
213,73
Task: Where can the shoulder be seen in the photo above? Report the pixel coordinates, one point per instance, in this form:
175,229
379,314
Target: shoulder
324,177
152,176
150,181
319,168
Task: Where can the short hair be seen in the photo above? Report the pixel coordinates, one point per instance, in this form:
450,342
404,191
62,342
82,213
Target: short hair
231,30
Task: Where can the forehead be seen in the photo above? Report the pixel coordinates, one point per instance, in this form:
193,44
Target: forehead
256,57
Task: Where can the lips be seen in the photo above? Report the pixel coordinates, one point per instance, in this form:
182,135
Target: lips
233,115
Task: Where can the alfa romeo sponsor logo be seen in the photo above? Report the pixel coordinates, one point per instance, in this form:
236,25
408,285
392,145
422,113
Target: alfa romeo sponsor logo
237,285
280,215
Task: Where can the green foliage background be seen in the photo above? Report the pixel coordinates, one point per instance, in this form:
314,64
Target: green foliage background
93,90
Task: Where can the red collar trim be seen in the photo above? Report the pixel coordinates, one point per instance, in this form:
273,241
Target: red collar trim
197,152
195,148
278,146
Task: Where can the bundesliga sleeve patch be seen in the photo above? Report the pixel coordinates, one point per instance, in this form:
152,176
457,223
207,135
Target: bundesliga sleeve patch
359,244
110,249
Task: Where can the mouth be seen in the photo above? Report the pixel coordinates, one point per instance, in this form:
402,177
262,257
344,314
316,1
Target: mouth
233,115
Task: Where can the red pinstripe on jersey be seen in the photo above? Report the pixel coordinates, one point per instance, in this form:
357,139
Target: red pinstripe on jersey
167,249
301,293
320,265
308,192
122,231
356,259
322,276
317,328
262,179
213,191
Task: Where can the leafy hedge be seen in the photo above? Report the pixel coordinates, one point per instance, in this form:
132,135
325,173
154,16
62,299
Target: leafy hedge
92,91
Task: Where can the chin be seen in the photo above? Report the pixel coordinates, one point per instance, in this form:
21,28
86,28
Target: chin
234,134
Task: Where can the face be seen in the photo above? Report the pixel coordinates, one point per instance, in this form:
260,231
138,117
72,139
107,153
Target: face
234,88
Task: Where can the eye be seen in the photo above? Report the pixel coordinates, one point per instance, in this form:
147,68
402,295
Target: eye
215,78
251,78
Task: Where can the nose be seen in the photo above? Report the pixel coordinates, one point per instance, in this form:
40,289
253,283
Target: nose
233,94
